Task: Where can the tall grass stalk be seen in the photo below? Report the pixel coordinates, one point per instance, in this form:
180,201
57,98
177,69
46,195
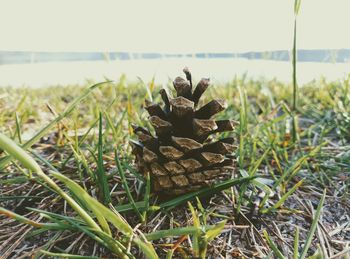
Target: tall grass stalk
295,85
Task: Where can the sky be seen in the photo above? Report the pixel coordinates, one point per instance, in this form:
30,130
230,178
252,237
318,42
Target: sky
181,26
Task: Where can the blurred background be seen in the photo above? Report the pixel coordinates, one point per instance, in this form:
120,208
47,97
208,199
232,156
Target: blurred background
46,43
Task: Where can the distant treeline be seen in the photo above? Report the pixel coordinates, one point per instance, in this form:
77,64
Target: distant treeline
22,57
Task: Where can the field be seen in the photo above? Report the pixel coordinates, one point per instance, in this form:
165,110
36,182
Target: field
75,192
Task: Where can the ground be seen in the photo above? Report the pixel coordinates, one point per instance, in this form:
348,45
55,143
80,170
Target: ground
295,172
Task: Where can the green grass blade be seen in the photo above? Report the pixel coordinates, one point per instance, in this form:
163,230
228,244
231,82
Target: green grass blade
205,192
242,125
141,206
146,248
284,197
20,197
18,129
273,246
126,186
313,226
14,180
297,6
295,85
215,231
148,89
258,163
147,195
57,216
169,254
63,255
175,232
133,171
196,235
101,174
15,151
254,181
296,244
20,218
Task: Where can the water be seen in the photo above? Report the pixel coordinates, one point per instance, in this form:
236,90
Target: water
218,70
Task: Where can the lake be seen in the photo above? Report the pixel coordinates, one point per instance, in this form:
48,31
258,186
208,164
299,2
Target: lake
218,70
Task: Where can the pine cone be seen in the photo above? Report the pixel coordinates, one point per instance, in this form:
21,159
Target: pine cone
181,158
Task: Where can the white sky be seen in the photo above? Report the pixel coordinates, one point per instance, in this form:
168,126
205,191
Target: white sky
171,26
